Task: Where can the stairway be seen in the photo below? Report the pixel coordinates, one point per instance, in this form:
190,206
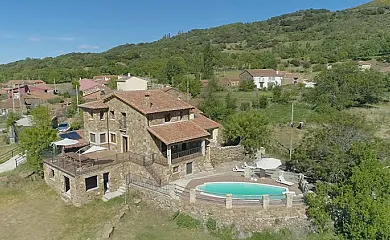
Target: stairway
160,180
208,167
110,195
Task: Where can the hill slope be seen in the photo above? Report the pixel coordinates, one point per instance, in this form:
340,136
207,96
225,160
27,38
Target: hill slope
312,36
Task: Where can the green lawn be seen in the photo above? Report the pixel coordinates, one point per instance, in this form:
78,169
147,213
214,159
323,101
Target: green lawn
244,96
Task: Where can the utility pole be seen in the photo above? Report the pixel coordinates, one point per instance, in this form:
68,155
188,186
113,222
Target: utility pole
77,99
20,98
292,129
188,90
13,100
55,89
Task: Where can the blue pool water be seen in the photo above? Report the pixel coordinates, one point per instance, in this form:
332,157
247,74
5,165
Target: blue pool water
242,190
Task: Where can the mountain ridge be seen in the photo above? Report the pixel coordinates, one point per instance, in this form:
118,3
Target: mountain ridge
315,36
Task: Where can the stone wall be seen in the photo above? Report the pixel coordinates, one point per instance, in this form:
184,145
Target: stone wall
78,194
159,118
248,218
227,154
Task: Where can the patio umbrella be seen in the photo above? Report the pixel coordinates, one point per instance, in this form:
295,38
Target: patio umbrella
268,163
65,142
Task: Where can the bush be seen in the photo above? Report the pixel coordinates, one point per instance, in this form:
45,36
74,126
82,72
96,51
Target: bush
185,221
319,68
56,100
245,106
261,102
211,224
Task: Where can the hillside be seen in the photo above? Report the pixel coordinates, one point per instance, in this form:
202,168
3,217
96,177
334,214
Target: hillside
302,38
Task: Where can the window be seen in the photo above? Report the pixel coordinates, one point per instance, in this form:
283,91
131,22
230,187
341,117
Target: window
92,137
90,183
113,137
90,115
101,115
181,115
51,173
167,117
176,169
102,138
112,114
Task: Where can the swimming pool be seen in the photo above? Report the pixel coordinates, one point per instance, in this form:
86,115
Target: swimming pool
242,190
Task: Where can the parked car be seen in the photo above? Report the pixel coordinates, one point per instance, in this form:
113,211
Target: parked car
63,127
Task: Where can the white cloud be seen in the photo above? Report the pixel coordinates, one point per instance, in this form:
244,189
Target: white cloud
86,46
34,39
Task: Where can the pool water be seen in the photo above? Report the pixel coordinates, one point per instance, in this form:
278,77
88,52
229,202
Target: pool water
242,190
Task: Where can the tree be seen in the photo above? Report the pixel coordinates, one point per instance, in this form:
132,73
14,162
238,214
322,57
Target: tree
194,85
207,61
245,106
359,205
230,104
36,139
324,153
12,118
174,68
260,102
112,83
213,108
250,129
346,86
247,85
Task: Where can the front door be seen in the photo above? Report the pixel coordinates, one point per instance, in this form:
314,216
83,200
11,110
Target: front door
125,144
189,168
67,184
106,184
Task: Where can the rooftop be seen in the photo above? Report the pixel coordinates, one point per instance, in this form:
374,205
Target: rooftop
204,122
178,132
263,72
86,84
94,105
150,101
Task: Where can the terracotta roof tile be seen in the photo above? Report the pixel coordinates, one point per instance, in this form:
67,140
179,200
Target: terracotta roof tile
204,122
94,105
23,82
158,101
86,84
39,95
7,104
263,72
178,132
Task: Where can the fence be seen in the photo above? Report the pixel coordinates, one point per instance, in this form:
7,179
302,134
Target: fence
9,154
147,183
265,201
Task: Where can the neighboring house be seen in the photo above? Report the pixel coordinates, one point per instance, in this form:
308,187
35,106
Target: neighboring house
176,93
291,78
141,135
19,83
263,78
309,84
8,105
88,85
229,82
18,92
364,65
97,94
34,99
131,83
104,77
42,87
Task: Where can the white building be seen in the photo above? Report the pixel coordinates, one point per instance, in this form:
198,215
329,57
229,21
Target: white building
263,78
131,83
364,65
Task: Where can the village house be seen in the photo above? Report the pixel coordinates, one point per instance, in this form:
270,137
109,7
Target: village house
364,65
131,83
19,83
263,78
227,82
148,135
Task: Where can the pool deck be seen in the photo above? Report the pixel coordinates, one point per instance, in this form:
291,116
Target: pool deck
224,173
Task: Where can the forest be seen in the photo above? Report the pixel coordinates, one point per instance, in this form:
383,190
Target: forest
305,38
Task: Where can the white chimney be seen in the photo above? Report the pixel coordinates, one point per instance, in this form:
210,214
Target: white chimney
277,72
128,74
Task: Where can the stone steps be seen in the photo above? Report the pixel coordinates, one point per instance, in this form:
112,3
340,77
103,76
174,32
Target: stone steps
110,195
208,167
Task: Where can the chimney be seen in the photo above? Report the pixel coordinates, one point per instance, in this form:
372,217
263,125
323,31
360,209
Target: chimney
128,74
147,100
277,72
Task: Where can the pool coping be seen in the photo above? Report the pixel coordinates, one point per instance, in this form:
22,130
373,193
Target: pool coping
216,196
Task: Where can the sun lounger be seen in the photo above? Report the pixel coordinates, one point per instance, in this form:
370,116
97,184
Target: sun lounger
236,169
283,181
247,166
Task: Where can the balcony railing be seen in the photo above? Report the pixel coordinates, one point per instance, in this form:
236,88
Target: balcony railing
186,154
122,124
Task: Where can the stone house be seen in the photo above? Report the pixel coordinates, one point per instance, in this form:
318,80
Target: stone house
150,134
263,78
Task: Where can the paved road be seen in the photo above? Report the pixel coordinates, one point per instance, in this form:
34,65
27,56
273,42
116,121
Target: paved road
10,164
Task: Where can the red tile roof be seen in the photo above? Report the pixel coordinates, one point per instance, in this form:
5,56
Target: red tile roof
39,95
158,101
94,105
7,104
263,72
11,83
86,84
178,132
43,86
204,122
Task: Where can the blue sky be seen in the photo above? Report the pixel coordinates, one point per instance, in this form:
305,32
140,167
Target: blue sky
44,28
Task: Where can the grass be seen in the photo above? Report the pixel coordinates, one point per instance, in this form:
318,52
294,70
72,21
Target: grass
4,147
243,96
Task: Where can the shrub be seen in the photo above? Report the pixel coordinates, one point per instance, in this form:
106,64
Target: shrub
185,221
245,106
211,224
